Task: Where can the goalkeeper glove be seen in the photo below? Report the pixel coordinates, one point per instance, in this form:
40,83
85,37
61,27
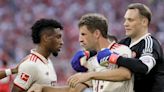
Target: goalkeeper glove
105,56
77,60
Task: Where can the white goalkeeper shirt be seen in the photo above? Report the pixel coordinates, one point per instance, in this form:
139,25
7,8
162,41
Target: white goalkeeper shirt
109,86
35,69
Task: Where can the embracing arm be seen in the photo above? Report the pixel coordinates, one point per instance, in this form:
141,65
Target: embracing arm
119,74
141,66
55,89
79,88
135,65
43,88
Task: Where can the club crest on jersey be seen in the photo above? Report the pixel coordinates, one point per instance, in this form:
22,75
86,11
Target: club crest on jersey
25,77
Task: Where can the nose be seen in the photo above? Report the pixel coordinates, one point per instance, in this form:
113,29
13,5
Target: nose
80,39
125,23
62,42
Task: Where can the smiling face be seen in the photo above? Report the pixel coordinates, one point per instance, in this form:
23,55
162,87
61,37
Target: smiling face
87,39
133,22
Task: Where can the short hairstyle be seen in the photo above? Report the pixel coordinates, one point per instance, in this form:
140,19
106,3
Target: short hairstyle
143,10
112,38
95,21
42,24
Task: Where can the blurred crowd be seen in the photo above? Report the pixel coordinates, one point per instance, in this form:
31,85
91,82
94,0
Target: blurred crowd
17,16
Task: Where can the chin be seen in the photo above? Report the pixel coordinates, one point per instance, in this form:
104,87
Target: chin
127,34
86,48
55,54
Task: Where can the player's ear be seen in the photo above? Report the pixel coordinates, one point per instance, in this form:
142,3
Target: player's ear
45,38
144,21
97,33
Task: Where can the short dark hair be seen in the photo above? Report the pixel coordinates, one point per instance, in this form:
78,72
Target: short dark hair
112,38
143,10
95,21
42,24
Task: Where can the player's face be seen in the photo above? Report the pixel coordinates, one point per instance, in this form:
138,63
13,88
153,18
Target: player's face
87,39
133,22
56,42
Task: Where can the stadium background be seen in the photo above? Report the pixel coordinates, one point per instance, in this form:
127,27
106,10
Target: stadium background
17,16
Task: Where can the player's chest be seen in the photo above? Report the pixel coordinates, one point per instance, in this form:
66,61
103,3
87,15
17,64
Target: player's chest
47,75
137,50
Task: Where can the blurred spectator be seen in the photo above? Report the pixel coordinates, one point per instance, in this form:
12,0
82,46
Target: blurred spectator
17,16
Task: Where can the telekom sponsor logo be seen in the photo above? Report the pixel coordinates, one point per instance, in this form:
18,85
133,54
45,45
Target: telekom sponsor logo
25,77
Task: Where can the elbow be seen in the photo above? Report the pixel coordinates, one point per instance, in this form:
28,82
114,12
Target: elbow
126,74
129,77
143,69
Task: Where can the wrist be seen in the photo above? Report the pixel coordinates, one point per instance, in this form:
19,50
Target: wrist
8,72
13,71
113,58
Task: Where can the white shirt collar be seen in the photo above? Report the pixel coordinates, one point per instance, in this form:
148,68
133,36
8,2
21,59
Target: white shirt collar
42,58
134,43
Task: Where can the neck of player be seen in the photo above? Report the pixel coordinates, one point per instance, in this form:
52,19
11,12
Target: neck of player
103,43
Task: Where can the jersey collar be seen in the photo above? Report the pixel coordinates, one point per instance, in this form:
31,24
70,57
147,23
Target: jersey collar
43,59
134,43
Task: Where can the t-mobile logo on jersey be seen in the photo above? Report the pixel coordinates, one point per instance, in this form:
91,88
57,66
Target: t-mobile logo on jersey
25,77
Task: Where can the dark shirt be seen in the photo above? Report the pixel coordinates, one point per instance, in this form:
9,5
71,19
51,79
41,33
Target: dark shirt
153,80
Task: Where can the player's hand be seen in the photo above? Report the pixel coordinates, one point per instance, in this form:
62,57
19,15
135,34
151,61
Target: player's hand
105,56
35,88
75,79
80,58
15,69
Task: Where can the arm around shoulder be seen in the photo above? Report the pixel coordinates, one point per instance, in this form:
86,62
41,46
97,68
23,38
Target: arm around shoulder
119,74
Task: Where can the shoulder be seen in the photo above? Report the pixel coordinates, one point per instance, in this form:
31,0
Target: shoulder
122,50
156,42
125,41
27,64
151,42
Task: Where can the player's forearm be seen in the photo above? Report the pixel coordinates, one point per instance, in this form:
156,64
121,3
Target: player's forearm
79,88
119,74
2,74
14,70
16,89
52,89
7,72
135,65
